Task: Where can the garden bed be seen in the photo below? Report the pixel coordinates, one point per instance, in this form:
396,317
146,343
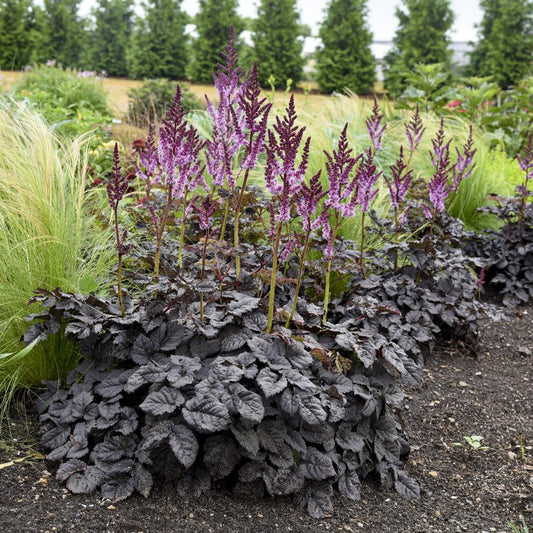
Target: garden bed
461,489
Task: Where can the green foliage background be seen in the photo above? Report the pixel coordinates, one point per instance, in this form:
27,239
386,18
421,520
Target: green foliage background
505,46
421,37
345,60
277,47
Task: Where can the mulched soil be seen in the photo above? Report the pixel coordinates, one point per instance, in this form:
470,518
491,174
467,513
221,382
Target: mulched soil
463,490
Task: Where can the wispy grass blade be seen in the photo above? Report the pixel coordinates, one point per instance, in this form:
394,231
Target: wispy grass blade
47,238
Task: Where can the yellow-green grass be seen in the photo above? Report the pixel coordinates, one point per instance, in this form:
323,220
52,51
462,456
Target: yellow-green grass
47,239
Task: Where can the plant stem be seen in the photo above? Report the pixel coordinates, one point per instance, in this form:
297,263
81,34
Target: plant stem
182,231
202,274
119,270
273,280
328,272
361,259
159,237
299,279
236,224
238,208
396,238
225,221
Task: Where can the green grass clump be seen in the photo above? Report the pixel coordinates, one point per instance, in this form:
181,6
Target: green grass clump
47,239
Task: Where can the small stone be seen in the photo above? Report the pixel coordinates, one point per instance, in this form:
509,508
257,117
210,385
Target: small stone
451,420
463,384
63,496
511,455
54,528
111,507
432,473
260,515
191,515
346,527
524,350
438,514
43,481
413,462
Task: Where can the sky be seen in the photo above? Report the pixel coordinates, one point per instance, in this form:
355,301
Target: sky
382,19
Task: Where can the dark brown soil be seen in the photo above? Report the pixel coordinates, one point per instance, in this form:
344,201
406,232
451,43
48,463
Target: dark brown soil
463,490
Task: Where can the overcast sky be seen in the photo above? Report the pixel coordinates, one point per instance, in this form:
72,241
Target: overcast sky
382,19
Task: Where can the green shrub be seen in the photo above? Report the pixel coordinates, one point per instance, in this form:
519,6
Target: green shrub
54,87
149,103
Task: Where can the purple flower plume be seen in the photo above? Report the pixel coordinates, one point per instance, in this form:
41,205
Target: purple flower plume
178,151
440,158
228,121
118,184
374,126
307,201
256,111
464,166
283,175
366,179
205,211
401,180
414,130
228,76
339,165
148,165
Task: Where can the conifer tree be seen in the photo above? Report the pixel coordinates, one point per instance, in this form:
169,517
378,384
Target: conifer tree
421,37
213,23
64,35
345,60
505,46
16,22
278,48
159,47
111,36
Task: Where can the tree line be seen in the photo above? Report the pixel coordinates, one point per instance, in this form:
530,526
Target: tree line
156,44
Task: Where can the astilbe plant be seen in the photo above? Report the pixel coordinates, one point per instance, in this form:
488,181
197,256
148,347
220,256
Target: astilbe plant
199,379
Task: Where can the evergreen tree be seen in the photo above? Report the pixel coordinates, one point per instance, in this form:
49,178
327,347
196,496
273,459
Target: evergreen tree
213,23
16,22
421,37
111,35
345,60
159,47
505,46
64,37
278,49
